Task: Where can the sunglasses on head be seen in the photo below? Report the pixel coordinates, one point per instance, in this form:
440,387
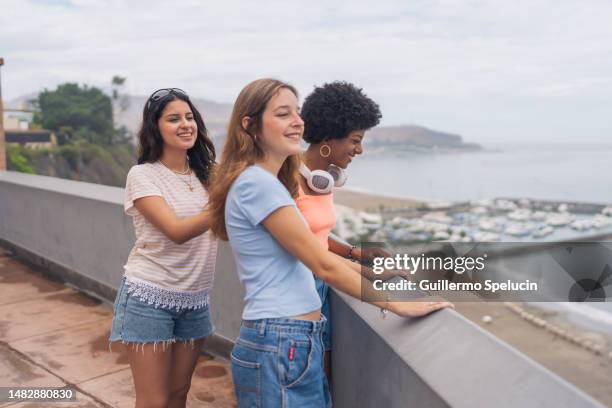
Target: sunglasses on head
162,93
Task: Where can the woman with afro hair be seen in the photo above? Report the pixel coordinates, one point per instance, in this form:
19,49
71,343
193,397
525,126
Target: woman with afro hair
336,117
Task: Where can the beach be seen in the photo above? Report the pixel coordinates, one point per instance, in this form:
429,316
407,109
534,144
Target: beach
365,201
576,362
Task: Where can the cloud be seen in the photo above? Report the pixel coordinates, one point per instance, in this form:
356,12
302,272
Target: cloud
453,65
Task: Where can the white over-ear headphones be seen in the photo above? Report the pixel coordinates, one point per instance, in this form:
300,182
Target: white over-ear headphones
321,181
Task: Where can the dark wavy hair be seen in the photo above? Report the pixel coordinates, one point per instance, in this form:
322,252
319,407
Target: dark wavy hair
151,145
334,110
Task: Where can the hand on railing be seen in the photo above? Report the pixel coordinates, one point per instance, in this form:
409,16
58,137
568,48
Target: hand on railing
417,309
368,254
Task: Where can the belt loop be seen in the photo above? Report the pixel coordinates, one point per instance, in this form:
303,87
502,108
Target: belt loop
262,327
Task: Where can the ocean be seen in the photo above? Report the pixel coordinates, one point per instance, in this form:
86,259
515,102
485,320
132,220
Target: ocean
572,172
561,172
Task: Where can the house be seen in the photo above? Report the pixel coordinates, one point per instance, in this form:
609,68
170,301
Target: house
17,118
35,139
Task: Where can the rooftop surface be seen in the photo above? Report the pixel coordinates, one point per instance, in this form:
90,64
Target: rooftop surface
53,336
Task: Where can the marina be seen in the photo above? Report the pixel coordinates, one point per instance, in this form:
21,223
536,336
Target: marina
496,220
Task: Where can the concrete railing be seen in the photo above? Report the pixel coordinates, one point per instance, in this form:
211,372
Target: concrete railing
78,232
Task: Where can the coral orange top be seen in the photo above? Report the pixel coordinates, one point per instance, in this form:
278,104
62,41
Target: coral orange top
319,212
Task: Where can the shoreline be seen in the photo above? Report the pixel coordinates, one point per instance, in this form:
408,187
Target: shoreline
349,196
363,200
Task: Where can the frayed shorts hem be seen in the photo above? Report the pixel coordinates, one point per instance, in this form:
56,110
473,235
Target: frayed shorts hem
137,322
165,344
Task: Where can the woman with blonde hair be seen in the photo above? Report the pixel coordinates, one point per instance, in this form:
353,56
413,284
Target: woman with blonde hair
278,356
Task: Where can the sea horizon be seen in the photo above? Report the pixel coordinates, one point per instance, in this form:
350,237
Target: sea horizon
559,172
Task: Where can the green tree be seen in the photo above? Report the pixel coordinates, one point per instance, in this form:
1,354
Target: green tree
75,112
18,159
91,149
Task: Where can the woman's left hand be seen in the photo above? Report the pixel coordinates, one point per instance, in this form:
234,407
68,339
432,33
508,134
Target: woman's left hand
368,254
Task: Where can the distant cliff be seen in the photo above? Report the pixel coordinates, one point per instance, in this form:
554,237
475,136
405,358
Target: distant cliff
83,161
417,138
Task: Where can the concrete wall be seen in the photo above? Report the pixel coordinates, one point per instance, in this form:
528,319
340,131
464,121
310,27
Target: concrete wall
77,226
438,361
78,232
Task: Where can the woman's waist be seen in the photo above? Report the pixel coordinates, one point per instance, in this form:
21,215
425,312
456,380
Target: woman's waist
297,299
295,324
313,316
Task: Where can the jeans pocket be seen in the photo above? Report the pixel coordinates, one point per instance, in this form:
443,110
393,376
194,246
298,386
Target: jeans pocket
120,294
247,381
295,359
119,309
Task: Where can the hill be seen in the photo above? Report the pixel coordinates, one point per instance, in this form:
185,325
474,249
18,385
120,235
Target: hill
416,138
128,112
82,161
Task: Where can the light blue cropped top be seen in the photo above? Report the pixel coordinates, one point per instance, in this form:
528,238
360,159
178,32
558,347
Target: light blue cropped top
277,284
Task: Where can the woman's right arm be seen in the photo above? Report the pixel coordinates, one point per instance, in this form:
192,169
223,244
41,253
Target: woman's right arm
292,233
368,273
179,230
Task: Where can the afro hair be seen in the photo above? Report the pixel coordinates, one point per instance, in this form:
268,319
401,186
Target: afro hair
334,110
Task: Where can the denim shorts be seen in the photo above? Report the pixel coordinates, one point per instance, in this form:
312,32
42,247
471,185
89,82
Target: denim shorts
323,290
279,363
135,321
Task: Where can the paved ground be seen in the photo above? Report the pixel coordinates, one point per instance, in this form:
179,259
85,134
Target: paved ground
52,336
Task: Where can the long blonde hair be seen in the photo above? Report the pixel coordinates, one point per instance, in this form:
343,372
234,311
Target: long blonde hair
242,149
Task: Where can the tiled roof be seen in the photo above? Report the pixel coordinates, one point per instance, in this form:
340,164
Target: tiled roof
28,136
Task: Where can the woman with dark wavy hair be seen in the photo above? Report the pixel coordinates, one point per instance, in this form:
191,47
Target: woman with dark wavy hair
336,117
161,311
277,359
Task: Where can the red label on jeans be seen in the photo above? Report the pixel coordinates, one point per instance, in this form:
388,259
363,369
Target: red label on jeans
291,352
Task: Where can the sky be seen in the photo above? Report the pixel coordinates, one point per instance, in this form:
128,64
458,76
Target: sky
536,70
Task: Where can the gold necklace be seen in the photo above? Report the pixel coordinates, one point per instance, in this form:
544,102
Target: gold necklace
176,174
187,182
184,172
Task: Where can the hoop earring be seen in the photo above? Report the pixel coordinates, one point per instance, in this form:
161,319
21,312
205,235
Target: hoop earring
328,151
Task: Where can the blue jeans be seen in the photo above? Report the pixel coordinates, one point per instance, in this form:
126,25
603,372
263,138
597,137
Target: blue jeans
323,290
279,363
135,321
